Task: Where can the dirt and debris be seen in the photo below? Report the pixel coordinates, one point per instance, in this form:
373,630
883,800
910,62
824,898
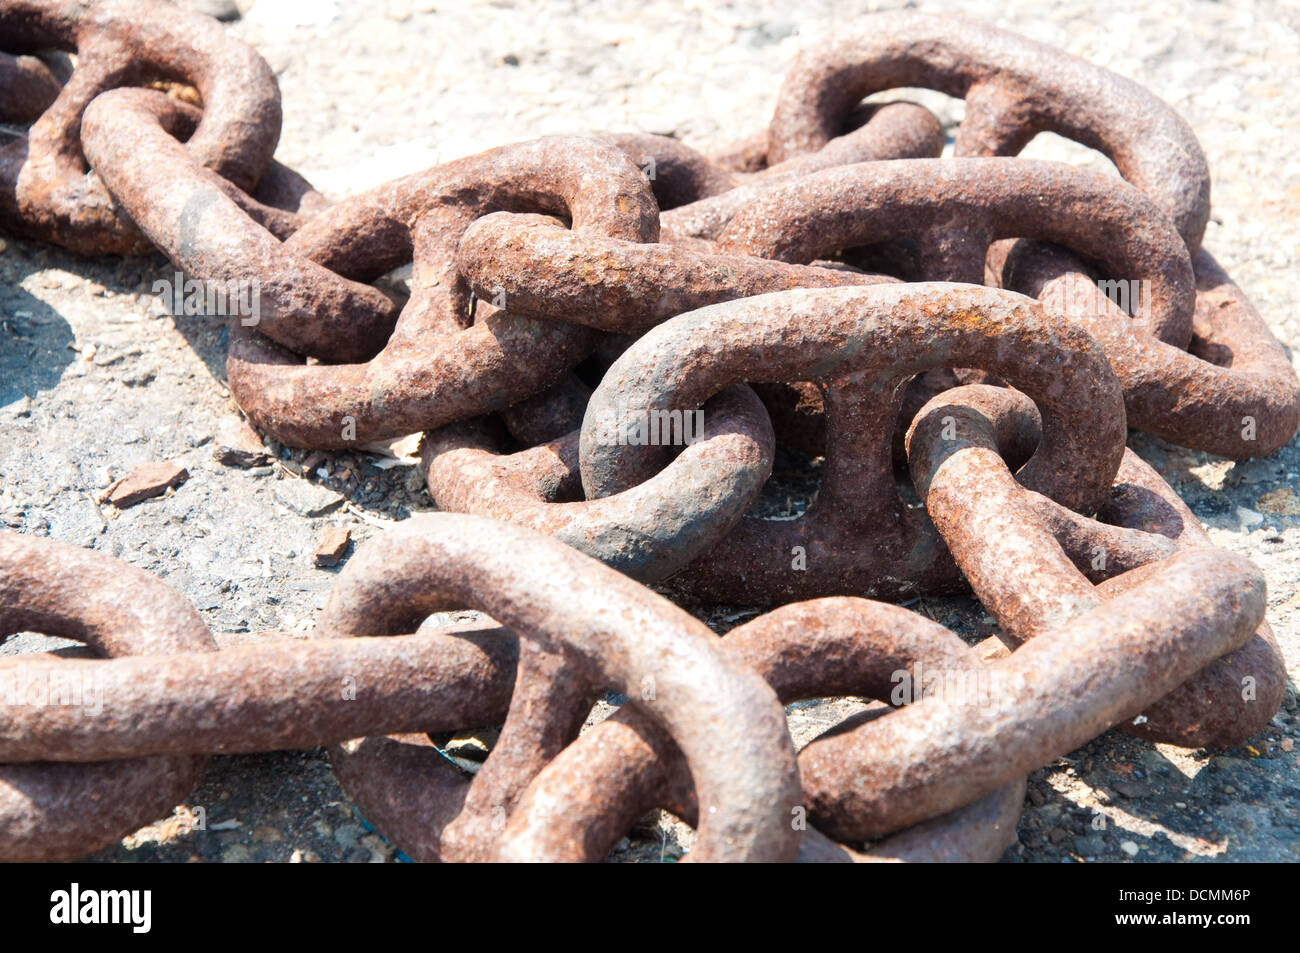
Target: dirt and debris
331,544
144,483
96,378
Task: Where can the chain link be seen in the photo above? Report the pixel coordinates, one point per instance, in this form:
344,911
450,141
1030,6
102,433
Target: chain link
605,340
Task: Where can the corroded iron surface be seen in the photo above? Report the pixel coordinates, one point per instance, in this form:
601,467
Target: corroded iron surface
1014,88
51,811
605,341
45,191
860,345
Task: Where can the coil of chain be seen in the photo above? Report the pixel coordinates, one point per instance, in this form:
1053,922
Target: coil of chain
831,284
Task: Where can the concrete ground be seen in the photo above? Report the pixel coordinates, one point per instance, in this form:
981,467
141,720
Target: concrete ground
96,377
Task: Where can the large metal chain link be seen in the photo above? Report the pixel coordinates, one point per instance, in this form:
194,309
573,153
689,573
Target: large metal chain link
577,306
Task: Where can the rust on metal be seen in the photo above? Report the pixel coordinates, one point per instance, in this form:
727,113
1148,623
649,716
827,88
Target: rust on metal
61,811
1233,392
1055,692
890,131
27,87
434,369
861,345
45,191
952,210
619,636
1033,564
649,531
1014,88
219,236
546,271
581,803
993,324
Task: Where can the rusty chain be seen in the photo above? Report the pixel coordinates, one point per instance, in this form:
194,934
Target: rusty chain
830,284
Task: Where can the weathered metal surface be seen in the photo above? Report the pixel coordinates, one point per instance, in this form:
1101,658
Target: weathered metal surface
889,131
1233,392
221,237
649,531
1058,690
952,210
45,191
580,804
1014,88
702,193
543,270
618,636
677,174
27,87
288,693
861,345
51,811
757,265
1033,563
434,369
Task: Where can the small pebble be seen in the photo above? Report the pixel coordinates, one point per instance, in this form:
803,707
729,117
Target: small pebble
144,482
331,545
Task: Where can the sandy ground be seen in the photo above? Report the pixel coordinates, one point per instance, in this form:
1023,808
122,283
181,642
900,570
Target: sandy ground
95,377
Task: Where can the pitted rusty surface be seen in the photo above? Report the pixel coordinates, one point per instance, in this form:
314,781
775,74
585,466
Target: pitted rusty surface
649,531
861,345
678,174
158,182
45,191
620,636
1055,692
889,131
1014,88
702,193
546,271
1210,710
215,233
51,811
1025,558
289,693
581,803
535,268
434,370
1233,392
954,209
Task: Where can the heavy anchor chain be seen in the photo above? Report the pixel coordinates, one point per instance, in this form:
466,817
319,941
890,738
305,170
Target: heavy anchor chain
579,805
59,811
159,709
605,339
1054,693
1014,88
45,192
432,368
1233,392
861,345
1033,563
621,636
698,195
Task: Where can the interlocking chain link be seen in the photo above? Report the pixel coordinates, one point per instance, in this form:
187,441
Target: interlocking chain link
577,306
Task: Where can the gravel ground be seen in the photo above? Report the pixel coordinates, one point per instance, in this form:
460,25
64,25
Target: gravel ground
96,377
